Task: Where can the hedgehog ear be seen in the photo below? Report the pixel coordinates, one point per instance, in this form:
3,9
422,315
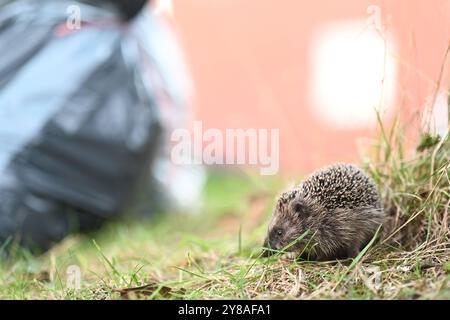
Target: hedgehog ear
299,207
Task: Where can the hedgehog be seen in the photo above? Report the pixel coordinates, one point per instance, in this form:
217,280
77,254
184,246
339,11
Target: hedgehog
333,214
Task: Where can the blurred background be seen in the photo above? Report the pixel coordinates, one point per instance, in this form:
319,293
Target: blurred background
315,70
93,93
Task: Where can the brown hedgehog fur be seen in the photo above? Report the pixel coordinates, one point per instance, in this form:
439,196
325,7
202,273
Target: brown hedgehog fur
337,208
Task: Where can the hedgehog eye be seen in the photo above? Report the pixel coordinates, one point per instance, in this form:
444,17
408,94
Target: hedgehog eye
276,233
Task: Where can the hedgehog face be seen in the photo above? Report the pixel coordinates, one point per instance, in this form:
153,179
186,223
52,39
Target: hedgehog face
290,220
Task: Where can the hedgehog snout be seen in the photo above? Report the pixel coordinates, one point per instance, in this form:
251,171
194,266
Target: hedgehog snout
275,238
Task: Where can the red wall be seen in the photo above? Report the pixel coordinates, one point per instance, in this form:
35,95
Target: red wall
250,63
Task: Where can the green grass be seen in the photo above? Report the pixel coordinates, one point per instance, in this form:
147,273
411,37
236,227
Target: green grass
215,253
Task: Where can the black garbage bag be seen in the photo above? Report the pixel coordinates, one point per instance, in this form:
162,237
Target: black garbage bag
102,141
81,125
128,9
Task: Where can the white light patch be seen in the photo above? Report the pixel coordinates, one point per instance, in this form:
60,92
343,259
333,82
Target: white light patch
351,78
